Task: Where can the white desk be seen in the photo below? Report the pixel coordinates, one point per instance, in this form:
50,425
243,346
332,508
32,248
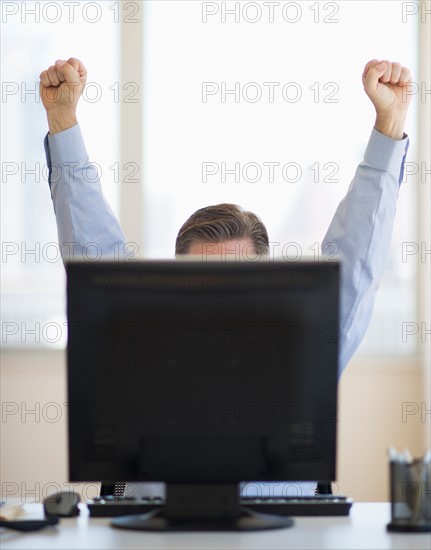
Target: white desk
365,528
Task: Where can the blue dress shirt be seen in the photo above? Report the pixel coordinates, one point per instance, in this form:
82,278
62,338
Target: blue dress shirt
360,233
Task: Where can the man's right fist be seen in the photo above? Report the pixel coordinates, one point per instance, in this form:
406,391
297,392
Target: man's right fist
61,86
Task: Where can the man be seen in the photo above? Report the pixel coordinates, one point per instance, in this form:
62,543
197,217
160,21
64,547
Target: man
359,233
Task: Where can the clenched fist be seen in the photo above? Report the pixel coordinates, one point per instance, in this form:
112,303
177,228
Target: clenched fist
389,86
60,88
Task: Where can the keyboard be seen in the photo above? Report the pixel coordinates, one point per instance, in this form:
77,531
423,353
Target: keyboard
319,505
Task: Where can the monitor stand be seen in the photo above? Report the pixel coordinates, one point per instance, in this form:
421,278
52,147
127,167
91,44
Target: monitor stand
202,507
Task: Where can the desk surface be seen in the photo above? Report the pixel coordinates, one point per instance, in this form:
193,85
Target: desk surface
365,528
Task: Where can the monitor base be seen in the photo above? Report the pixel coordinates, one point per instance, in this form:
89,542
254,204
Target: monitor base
158,521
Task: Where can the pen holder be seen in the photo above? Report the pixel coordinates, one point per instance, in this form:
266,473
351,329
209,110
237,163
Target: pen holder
410,496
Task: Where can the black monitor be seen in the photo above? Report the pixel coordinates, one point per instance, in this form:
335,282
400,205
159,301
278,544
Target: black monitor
202,375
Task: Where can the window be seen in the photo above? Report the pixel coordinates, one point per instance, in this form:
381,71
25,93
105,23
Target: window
255,103
34,35
261,104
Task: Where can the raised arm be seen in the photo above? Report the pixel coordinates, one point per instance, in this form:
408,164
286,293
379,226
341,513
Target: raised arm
87,227
361,230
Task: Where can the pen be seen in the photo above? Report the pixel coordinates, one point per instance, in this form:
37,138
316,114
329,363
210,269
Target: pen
392,454
407,456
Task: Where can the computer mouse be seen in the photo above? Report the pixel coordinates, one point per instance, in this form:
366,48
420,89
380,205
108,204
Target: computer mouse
63,504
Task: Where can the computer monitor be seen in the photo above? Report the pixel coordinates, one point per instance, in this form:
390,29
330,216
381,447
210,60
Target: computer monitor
202,375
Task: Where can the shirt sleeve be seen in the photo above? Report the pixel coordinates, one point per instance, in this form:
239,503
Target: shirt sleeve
360,235
87,227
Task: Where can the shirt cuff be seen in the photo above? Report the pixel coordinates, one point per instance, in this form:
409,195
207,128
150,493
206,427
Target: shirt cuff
385,153
67,146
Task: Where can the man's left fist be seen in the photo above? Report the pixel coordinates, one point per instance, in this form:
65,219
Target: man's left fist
389,86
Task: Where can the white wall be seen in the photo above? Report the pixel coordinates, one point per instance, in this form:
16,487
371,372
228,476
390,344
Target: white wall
34,447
